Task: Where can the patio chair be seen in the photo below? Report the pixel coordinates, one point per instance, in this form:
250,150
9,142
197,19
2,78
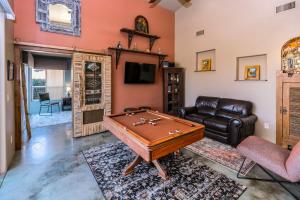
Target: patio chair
274,158
46,102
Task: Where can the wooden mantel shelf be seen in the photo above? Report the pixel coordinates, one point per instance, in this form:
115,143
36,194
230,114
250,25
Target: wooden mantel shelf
161,57
127,30
131,33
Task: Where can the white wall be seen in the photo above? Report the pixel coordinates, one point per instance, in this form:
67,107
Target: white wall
2,95
235,28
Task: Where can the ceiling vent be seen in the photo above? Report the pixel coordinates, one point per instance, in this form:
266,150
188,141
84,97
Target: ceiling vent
199,33
285,7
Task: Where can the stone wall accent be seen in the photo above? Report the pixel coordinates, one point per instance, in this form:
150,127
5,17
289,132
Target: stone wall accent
79,59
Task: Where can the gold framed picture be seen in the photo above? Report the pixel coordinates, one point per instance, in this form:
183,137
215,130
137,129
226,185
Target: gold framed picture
252,72
206,65
206,61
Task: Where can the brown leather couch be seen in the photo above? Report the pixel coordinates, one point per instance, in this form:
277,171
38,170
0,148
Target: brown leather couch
226,120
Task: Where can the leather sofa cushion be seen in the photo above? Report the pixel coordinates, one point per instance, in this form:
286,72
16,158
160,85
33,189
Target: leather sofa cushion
232,108
207,105
225,138
227,115
196,118
217,123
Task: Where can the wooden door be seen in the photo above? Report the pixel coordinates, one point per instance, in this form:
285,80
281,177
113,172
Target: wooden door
290,111
91,92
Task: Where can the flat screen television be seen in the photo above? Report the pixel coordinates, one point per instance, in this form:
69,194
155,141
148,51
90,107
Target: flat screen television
139,73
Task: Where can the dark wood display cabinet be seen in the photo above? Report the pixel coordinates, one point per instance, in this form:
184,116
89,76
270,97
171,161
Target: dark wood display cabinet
173,90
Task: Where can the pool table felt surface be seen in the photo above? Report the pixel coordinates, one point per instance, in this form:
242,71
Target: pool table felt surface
150,133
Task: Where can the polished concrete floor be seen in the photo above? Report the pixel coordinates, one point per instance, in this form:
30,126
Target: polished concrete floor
51,166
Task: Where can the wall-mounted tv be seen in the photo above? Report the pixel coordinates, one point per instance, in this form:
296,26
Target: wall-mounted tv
139,73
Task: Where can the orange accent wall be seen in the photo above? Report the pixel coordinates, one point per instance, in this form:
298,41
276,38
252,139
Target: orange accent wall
101,21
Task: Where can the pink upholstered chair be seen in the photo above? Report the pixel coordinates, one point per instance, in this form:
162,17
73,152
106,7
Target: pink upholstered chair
270,156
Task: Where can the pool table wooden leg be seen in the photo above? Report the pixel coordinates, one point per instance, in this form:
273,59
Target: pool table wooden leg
129,168
161,172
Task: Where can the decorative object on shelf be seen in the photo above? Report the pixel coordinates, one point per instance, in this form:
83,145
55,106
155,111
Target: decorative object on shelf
161,57
206,65
169,89
131,33
10,70
205,61
141,24
251,68
67,23
135,47
166,64
290,56
119,45
252,72
173,89
159,51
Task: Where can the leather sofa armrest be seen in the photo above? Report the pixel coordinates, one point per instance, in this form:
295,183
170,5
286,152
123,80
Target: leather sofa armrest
251,119
241,128
182,112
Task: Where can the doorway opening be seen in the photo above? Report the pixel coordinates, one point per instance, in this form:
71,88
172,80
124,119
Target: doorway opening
62,77
48,80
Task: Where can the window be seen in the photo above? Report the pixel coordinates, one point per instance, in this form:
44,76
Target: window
38,83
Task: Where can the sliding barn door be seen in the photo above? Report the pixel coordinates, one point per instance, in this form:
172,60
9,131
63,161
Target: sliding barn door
290,111
91,92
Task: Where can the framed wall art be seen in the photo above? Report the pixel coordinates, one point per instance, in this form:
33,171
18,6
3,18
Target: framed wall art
206,61
141,24
252,72
251,68
206,65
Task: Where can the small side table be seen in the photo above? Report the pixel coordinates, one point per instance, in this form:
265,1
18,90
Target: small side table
66,103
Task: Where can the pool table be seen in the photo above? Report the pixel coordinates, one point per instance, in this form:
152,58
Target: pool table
152,135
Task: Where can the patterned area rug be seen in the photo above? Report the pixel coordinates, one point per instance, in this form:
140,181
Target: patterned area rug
222,154
188,177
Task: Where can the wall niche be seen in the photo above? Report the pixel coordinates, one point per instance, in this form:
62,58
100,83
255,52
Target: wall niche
59,16
252,68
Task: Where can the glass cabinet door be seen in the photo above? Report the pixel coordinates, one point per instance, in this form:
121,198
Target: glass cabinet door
93,83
